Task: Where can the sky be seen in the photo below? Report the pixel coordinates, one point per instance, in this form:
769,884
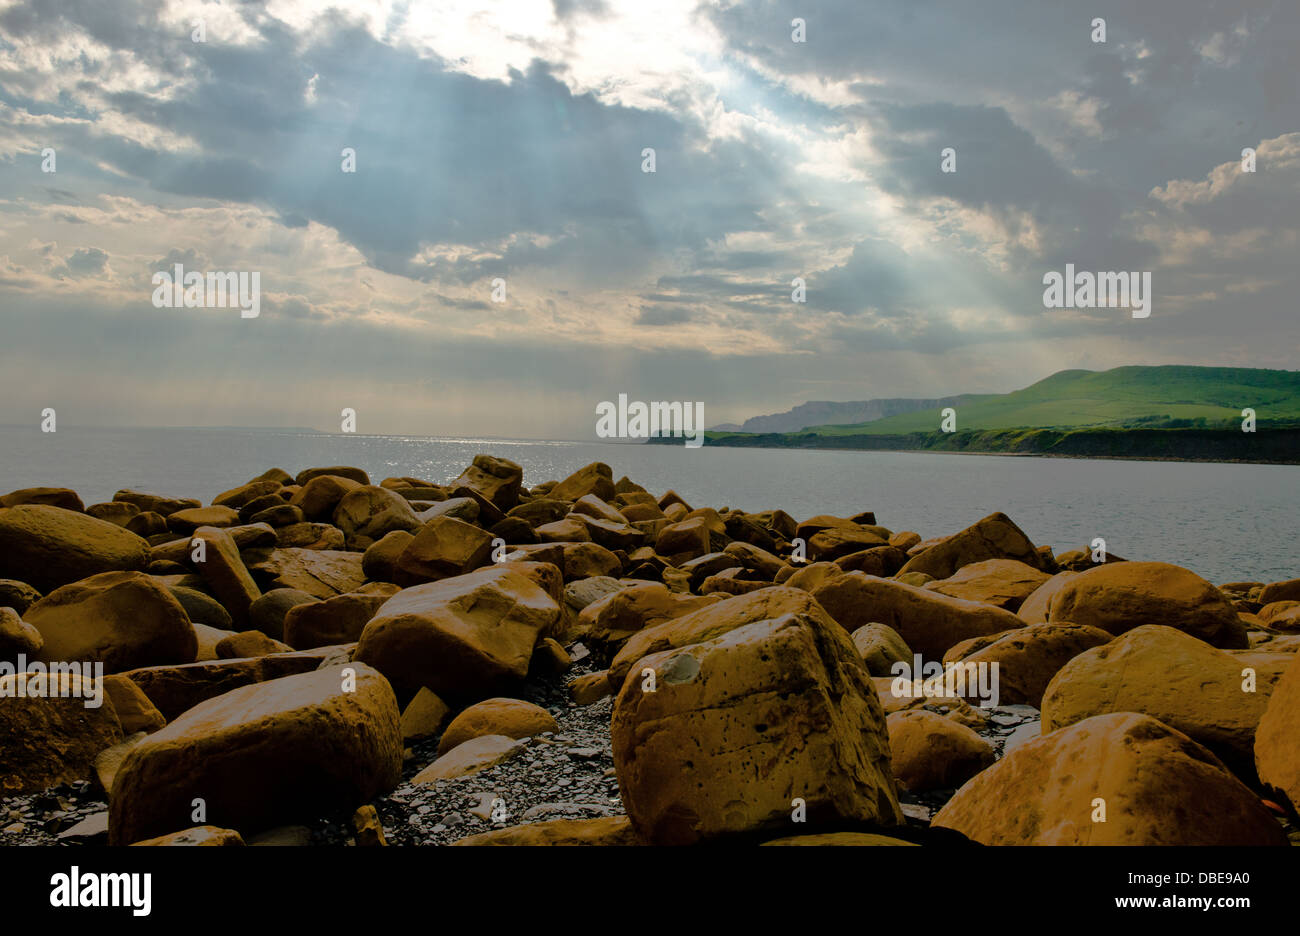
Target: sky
505,142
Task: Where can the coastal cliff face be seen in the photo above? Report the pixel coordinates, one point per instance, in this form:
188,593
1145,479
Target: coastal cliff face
1271,446
316,658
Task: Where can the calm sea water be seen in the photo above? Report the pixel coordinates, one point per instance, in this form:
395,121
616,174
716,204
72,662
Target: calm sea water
1226,522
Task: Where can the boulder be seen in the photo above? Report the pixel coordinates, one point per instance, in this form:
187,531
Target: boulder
17,595
596,478
184,522
744,723
120,619
688,539
1156,786
380,560
608,622
46,547
177,689
928,621
931,752
1118,597
1280,591
147,524
899,695
246,493
49,734
458,508
309,536
590,688
1027,658
65,498
204,835
1277,755
321,573
156,503
994,537
18,637
118,513
606,830
336,620
201,607
1185,683
755,559
469,758
808,577
1035,608
540,511
836,542
355,475
423,717
512,718
268,612
223,569
133,709
445,547
711,621
585,560
1004,583
878,560
496,480
609,533
880,647
263,755
367,514
320,497
570,529
460,637
278,516
208,638
250,643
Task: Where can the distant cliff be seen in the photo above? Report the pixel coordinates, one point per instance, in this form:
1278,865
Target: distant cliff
1267,445
822,413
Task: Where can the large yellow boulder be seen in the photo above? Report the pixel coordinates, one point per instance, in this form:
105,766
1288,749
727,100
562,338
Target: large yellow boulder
48,546
511,718
746,730
1120,596
1119,779
1028,658
928,621
994,537
1207,694
1036,607
443,548
711,621
462,637
1277,738
263,756
608,622
929,751
48,734
120,619
1005,583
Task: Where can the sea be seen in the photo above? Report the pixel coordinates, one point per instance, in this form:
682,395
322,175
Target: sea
1226,522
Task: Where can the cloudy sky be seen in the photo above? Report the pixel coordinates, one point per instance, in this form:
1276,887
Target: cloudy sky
505,140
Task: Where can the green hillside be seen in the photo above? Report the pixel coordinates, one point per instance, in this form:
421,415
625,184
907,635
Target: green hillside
1130,397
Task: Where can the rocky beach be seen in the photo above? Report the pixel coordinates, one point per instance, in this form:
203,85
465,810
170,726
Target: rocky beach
317,659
